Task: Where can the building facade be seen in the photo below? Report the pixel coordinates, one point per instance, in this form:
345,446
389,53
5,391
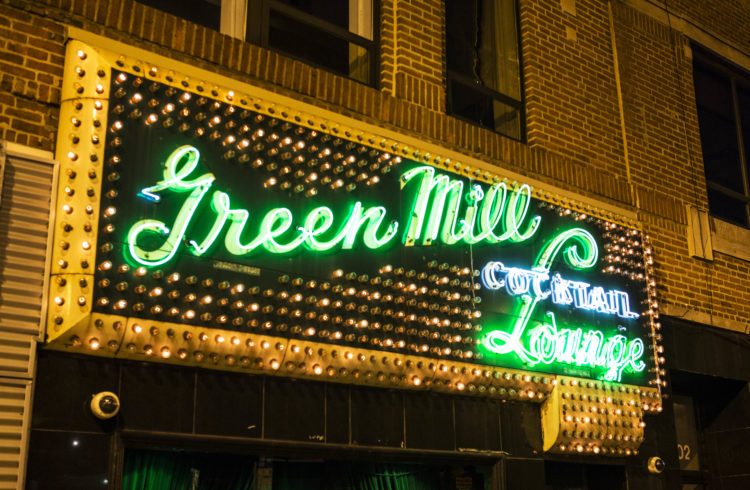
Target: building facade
411,244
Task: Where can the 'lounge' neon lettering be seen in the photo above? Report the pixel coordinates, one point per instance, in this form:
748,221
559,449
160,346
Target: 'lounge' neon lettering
548,345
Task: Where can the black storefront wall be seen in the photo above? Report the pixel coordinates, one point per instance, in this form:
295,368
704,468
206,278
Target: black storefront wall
711,366
172,407
190,408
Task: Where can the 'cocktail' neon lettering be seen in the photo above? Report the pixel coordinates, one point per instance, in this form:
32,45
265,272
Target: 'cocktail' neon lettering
517,281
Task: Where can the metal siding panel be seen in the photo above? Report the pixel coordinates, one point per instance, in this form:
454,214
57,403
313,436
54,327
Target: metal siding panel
24,229
15,403
26,187
16,353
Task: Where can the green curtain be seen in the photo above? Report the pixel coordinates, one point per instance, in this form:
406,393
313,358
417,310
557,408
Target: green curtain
354,476
171,470
146,470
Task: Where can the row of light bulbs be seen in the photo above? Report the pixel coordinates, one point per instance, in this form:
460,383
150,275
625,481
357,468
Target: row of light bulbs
598,417
293,157
388,313
497,382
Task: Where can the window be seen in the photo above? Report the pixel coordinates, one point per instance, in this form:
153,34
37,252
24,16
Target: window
204,12
337,35
482,56
334,34
722,94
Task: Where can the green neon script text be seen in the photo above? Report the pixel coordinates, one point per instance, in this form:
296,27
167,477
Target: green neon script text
436,211
274,230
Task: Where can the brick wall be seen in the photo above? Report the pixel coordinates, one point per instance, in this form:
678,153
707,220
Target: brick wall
568,63
726,19
413,66
575,137
661,125
31,59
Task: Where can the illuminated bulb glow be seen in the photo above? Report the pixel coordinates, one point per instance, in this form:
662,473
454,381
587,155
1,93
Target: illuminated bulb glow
493,215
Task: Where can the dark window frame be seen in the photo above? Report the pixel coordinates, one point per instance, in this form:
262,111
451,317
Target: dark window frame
737,77
198,11
453,77
258,22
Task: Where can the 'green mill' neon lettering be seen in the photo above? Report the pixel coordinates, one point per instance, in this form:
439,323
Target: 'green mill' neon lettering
494,217
277,222
435,211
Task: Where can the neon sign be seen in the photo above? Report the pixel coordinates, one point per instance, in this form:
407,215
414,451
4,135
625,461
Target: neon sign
435,211
517,281
277,222
547,343
351,246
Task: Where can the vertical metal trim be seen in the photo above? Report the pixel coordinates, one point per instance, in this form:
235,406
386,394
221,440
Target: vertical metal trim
32,157
32,166
263,409
195,401
349,409
325,413
500,427
25,432
455,428
3,156
403,420
48,258
740,144
16,423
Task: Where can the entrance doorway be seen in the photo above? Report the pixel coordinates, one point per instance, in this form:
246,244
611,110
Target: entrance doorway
146,469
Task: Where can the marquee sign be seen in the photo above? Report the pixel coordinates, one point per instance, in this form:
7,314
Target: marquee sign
205,227
244,244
